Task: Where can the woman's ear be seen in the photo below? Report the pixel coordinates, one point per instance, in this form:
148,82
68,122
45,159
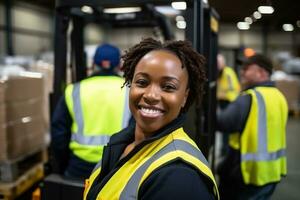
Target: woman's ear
187,91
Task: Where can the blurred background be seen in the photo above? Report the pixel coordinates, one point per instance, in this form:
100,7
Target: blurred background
46,44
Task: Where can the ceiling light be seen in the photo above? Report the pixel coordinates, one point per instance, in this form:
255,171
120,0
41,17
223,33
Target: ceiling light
179,5
122,10
87,9
288,27
179,18
181,24
257,15
266,9
123,16
205,1
248,20
167,10
243,25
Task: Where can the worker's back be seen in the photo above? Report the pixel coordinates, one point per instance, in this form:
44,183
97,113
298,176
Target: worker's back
90,112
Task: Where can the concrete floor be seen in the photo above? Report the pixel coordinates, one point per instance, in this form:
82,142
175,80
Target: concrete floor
289,187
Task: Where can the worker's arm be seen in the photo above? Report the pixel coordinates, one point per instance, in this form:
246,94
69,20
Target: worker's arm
176,181
60,134
233,117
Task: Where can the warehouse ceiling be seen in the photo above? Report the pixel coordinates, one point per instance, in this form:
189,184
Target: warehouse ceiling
285,11
233,11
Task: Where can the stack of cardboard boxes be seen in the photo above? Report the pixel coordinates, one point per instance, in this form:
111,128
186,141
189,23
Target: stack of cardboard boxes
290,88
3,143
47,70
22,124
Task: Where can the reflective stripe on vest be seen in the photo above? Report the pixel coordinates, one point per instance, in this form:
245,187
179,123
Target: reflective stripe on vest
131,189
229,80
91,140
126,182
262,153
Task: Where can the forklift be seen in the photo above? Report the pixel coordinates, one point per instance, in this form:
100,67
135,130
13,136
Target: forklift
201,30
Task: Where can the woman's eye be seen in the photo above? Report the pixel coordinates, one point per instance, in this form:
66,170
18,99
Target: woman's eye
141,82
169,87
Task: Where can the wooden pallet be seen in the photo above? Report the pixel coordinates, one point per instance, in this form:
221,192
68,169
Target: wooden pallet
10,170
9,191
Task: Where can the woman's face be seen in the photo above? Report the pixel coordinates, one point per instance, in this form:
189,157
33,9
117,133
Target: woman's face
158,90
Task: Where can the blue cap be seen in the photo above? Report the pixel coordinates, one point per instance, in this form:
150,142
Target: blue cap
109,53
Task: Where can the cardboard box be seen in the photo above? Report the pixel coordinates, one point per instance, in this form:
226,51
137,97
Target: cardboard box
2,91
22,88
48,73
2,112
25,136
20,109
3,143
24,128
290,88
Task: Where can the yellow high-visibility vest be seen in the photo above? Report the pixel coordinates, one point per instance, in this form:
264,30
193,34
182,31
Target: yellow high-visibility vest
126,182
228,87
99,108
262,143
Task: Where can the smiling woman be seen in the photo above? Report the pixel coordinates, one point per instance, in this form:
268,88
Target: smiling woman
155,158
158,91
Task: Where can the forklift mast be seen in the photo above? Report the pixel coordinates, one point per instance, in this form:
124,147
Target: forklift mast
201,31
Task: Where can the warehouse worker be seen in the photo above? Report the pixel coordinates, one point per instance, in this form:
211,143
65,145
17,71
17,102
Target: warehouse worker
257,118
228,88
155,159
88,114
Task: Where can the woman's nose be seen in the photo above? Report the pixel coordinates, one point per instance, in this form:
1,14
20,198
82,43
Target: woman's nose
152,94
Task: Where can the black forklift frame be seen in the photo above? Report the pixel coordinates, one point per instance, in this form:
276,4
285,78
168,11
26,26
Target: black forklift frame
211,28
202,23
200,122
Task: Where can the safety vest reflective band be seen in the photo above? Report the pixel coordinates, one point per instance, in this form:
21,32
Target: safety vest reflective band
228,85
90,140
263,143
99,108
126,182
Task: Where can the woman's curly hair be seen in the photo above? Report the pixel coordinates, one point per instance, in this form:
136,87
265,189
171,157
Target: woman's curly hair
190,59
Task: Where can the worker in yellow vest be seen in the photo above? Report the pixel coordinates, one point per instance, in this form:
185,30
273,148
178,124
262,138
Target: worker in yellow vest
88,114
228,89
228,86
257,122
155,159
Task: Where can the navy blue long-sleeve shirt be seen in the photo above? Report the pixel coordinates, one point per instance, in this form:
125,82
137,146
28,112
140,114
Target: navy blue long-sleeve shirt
61,134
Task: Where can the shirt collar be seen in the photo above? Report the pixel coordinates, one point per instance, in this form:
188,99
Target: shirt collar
127,134
262,84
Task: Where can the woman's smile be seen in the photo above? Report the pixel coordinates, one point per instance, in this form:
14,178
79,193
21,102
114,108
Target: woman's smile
150,112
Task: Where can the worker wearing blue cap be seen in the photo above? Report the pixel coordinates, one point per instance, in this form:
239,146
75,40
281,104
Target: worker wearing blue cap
88,114
107,58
